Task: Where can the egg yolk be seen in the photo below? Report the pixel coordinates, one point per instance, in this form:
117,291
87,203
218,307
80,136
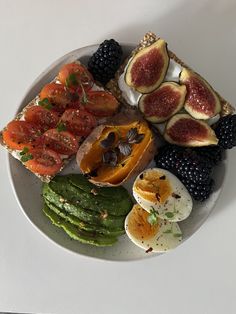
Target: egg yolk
139,226
153,186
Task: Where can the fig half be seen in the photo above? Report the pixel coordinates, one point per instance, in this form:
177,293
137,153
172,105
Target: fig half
163,102
201,100
147,69
183,130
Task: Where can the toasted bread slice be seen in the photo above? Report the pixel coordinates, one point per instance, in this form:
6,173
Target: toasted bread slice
149,39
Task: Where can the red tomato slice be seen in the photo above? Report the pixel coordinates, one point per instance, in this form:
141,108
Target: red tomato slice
101,104
62,142
20,134
58,95
44,118
79,122
74,105
74,75
44,161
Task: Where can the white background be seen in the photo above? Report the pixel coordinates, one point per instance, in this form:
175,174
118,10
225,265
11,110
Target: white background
37,276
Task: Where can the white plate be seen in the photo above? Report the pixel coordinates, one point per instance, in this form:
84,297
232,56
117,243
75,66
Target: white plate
27,186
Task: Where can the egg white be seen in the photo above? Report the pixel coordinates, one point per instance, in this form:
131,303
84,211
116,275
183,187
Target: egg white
174,209
168,236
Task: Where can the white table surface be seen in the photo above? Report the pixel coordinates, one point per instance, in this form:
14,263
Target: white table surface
37,276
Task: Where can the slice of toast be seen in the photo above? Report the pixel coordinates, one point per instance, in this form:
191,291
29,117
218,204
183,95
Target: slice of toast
20,116
149,39
16,153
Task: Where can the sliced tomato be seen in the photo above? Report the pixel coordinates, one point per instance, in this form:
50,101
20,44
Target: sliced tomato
44,118
75,76
44,161
79,121
74,105
62,142
58,95
101,103
20,134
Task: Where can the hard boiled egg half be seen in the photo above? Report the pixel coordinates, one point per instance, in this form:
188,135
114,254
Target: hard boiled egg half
154,236
157,190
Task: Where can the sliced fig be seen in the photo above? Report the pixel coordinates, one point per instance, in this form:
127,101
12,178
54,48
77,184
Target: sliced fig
183,130
163,102
147,69
201,100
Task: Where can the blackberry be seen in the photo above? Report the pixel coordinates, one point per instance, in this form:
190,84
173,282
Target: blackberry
212,154
226,131
199,191
168,156
105,61
184,163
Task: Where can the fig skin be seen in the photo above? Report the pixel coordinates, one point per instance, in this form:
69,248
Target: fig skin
174,88
159,46
199,106
188,131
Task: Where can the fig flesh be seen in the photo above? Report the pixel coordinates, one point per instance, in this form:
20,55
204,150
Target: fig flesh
201,100
147,69
163,102
183,130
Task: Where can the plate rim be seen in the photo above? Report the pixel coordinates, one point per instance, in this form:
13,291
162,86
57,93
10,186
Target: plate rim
10,157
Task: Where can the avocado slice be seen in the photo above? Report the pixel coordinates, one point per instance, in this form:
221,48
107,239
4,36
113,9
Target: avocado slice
63,186
84,225
81,182
71,207
75,233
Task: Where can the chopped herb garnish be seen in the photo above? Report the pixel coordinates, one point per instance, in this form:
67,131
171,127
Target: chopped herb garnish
152,217
169,214
45,103
26,157
71,80
24,151
177,235
155,210
84,98
61,127
168,231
